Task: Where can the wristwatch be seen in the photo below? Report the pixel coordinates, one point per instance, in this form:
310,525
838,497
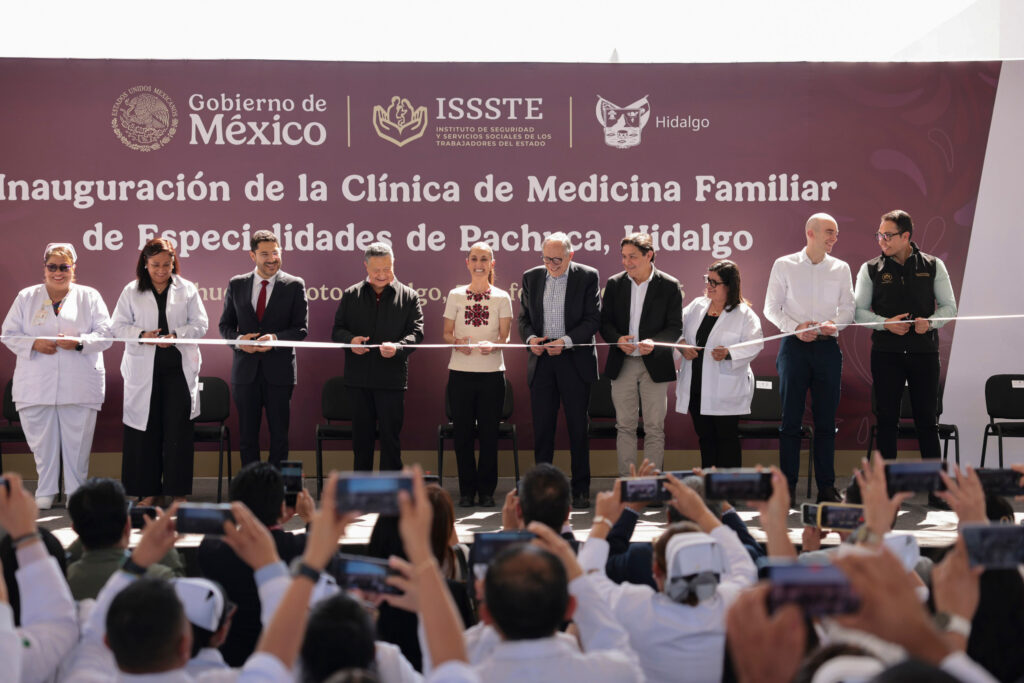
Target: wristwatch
953,623
300,568
864,535
132,568
601,519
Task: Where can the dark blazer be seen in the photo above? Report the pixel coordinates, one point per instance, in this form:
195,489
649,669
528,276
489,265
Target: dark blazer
661,319
286,315
582,315
398,319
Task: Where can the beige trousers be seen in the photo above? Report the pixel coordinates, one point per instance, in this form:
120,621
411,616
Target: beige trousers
631,389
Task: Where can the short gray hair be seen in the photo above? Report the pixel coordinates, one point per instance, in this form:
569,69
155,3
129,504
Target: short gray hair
560,237
378,249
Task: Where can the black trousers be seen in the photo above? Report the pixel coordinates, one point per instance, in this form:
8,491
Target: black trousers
719,438
890,371
158,461
476,401
373,410
557,382
250,401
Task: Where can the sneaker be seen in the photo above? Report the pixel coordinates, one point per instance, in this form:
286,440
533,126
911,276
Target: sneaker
829,494
44,502
466,501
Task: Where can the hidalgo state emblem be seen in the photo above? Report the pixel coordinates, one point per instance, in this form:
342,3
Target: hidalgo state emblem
400,123
622,125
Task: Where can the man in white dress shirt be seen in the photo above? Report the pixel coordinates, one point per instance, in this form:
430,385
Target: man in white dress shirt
808,289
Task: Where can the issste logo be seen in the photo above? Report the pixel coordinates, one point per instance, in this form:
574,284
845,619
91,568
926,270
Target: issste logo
622,125
400,123
144,118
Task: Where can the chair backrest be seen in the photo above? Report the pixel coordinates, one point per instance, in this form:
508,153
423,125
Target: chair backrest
10,412
334,401
1004,397
601,406
766,405
214,400
506,407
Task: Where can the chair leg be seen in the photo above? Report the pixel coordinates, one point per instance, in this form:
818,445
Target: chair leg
515,453
984,444
956,444
220,466
999,437
440,455
227,441
319,467
871,441
810,462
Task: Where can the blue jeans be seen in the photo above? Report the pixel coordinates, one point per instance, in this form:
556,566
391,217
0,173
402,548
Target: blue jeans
817,366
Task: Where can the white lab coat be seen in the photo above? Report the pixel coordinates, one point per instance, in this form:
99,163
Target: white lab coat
727,386
136,312
66,377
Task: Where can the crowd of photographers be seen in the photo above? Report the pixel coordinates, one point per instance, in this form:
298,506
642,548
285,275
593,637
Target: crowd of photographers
270,605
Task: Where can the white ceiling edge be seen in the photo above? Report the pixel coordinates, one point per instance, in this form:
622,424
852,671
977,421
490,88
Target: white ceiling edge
641,31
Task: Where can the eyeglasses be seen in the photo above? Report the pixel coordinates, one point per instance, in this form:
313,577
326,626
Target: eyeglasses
712,283
886,236
553,260
62,267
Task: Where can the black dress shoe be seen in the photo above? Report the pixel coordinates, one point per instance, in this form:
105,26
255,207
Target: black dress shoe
581,501
466,501
829,495
487,501
936,502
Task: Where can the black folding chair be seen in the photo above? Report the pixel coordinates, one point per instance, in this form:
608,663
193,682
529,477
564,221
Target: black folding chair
765,419
337,410
506,430
905,428
601,412
210,426
1004,400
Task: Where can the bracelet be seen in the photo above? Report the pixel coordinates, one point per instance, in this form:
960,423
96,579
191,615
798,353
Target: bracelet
601,519
300,568
21,540
133,567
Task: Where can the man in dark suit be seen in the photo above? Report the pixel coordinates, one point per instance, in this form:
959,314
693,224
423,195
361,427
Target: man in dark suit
378,310
641,305
560,308
264,305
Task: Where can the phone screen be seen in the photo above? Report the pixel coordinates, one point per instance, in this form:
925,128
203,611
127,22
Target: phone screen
914,476
738,484
820,589
809,514
840,517
1000,482
371,492
291,472
644,489
368,574
487,546
203,518
994,546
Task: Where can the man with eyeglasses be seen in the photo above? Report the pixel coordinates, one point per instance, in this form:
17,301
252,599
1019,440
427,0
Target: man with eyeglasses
902,291
560,309
809,289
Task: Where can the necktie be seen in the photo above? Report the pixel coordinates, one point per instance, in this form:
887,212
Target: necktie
261,302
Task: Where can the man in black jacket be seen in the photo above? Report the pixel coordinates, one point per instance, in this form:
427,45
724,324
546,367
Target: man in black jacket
901,291
641,305
378,311
560,309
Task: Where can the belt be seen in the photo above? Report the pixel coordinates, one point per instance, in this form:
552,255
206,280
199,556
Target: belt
824,337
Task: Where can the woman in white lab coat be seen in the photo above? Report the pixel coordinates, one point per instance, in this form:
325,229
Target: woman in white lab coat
58,384
161,380
715,383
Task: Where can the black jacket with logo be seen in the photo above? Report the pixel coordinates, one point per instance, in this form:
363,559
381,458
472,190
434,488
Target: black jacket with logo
907,288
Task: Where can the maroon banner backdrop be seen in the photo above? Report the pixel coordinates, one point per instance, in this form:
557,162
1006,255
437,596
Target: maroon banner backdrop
717,161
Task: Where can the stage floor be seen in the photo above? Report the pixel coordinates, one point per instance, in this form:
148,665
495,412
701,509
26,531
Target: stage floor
933,528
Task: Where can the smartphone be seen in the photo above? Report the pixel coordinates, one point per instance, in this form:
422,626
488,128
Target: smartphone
486,546
809,514
203,518
139,513
371,492
820,589
368,574
738,484
994,546
922,475
644,489
291,472
840,516
429,479
1001,482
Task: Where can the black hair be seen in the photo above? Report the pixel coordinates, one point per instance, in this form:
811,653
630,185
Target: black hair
527,592
261,487
261,236
145,625
640,240
914,671
9,559
729,272
998,509
545,496
901,219
998,624
99,512
157,245
339,635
